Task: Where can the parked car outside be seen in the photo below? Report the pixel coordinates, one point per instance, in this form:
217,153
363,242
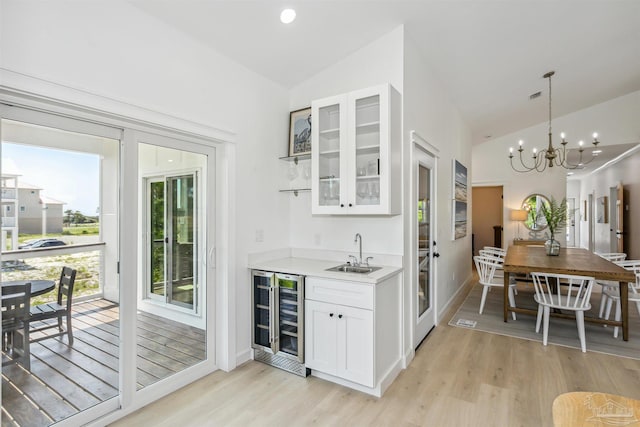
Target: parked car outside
41,243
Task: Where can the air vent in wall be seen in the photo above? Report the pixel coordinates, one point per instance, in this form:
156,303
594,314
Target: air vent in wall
535,95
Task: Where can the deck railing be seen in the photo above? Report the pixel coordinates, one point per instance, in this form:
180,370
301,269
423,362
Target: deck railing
87,259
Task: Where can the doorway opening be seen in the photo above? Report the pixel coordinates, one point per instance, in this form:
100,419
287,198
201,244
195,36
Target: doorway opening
487,217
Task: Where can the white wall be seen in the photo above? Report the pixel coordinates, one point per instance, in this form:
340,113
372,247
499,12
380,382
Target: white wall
114,50
616,121
376,63
625,172
429,111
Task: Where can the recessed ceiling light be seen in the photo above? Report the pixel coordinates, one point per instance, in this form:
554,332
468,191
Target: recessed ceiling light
597,151
569,173
287,16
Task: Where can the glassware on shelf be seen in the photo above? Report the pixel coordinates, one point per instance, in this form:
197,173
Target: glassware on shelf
372,167
374,192
362,190
362,171
292,173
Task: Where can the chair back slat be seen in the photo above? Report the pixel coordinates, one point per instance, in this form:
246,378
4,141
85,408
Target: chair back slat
65,286
486,268
563,290
16,302
613,256
492,253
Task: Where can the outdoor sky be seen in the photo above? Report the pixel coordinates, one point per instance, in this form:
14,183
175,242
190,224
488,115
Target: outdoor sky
66,176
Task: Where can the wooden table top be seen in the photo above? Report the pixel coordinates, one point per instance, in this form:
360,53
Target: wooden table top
525,259
38,287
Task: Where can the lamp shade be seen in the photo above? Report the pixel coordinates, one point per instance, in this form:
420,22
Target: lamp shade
519,215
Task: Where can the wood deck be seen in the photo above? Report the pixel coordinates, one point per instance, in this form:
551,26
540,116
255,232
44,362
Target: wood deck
64,381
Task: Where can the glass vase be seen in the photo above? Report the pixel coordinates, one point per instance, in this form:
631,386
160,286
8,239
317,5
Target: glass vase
552,247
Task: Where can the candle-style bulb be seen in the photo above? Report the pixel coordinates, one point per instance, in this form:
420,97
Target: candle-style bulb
520,143
595,135
581,143
562,135
535,150
511,150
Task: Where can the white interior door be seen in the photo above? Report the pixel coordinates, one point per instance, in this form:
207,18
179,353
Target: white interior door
424,246
571,222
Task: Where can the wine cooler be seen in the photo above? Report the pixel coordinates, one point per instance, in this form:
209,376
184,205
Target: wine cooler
278,320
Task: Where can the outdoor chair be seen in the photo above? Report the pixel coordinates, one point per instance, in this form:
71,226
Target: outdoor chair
15,324
57,310
573,295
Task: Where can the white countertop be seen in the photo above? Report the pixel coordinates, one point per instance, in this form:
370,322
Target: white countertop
318,268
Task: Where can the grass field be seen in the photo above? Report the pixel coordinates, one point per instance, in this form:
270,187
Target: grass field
87,265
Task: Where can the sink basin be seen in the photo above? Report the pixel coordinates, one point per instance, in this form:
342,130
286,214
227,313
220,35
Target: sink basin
348,268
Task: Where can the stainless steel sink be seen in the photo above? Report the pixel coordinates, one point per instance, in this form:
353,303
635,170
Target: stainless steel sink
348,268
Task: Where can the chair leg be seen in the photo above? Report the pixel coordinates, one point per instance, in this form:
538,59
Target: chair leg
617,318
484,298
69,330
603,301
545,326
580,324
608,310
539,318
512,301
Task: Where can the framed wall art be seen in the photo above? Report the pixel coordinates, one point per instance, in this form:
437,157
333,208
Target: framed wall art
300,132
460,181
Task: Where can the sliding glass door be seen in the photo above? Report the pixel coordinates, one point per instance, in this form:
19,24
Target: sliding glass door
173,230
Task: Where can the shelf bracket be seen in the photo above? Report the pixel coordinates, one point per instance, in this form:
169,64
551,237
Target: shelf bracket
295,192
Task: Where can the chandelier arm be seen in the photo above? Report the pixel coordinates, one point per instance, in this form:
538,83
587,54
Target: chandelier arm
551,155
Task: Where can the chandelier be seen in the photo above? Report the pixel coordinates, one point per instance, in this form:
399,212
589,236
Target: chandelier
551,155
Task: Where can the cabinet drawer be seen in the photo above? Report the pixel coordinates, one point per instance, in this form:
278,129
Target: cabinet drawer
339,292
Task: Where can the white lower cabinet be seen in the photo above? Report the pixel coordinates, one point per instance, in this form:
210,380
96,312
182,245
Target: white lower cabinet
340,341
352,332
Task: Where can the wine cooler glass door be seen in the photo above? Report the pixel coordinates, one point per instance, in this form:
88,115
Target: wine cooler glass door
262,307
290,326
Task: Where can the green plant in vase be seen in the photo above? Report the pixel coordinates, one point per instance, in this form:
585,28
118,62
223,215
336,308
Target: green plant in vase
556,215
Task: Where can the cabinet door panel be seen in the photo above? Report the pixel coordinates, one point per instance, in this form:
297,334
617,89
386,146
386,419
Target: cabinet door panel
328,134
355,345
320,340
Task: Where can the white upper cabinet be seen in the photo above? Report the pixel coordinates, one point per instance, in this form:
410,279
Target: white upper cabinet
356,153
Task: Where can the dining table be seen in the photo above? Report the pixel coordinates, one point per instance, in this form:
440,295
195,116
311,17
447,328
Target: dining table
577,261
38,287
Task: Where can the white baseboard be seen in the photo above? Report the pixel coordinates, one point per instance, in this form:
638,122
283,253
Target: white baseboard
244,356
377,391
408,357
446,307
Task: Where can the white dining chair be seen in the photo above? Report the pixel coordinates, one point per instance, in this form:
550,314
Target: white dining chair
486,268
498,254
613,294
565,292
611,288
615,257
499,251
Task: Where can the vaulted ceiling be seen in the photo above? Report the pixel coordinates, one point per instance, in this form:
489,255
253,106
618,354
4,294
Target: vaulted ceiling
490,55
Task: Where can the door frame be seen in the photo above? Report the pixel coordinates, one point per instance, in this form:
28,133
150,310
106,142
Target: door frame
59,105
165,301
421,144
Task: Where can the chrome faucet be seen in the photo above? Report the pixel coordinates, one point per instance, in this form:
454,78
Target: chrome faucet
359,237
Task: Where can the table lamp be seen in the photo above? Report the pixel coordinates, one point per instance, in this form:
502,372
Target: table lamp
519,215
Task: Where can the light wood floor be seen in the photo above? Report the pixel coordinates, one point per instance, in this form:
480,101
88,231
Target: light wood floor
459,377
64,380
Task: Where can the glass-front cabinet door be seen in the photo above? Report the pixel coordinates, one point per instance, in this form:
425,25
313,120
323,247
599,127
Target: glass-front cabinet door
329,134
355,153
